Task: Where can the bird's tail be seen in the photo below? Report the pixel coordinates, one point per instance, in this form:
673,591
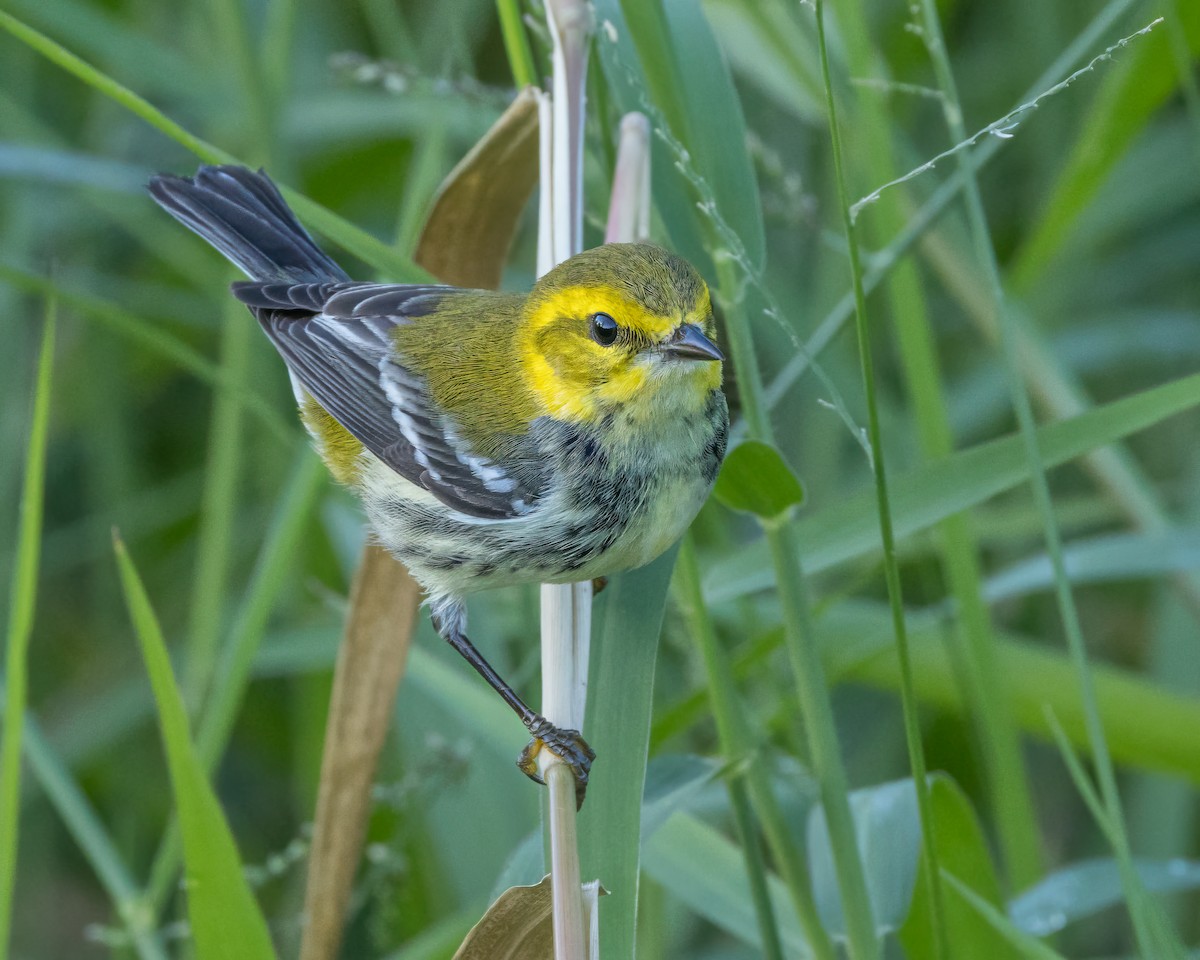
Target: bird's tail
242,214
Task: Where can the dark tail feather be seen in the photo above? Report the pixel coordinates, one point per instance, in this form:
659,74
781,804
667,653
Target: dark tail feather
242,214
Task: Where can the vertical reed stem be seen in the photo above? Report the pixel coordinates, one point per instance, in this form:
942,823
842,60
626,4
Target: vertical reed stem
566,608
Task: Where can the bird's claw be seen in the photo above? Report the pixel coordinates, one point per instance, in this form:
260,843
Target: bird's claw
568,746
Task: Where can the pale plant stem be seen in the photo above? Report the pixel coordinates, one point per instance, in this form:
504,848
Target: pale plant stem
565,608
629,208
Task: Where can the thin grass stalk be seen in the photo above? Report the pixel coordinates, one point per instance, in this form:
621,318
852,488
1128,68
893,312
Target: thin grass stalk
996,734
919,223
803,649
752,784
816,708
1149,943
912,728
22,607
516,43
565,608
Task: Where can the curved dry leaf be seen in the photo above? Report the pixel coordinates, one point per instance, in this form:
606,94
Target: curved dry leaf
519,925
465,242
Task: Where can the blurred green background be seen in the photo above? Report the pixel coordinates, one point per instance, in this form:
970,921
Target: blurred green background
172,422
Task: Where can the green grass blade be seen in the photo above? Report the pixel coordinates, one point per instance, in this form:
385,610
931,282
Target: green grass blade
753,784
912,728
1148,727
360,243
226,923
704,870
270,577
1030,948
1147,932
1144,80
624,648
94,841
516,43
928,494
661,58
22,604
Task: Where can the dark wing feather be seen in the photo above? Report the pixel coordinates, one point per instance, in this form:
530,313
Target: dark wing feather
337,339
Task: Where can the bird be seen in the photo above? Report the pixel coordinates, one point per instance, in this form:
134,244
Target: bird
493,438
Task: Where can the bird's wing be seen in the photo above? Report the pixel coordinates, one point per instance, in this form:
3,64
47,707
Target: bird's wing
337,339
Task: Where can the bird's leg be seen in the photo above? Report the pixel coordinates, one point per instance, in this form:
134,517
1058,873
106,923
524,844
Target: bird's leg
568,745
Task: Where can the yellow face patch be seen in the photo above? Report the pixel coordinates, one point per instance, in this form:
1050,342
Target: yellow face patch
584,301
576,378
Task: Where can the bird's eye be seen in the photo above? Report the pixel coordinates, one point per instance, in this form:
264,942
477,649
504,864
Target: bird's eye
604,329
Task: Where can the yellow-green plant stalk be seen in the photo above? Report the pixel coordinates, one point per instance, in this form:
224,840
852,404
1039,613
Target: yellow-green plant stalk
22,600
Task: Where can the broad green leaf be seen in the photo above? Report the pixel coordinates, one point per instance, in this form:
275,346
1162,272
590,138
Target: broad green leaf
22,604
963,851
715,124
930,493
888,832
756,479
225,920
1087,887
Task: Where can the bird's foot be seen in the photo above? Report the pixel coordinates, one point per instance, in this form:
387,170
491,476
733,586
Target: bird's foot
567,746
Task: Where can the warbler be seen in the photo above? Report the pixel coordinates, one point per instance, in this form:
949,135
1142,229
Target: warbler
493,438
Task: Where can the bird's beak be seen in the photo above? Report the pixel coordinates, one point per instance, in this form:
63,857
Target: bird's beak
690,343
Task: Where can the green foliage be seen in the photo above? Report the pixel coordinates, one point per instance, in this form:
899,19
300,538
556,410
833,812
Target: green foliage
22,602
225,921
754,478
173,420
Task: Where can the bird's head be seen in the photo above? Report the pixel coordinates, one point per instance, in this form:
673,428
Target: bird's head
622,326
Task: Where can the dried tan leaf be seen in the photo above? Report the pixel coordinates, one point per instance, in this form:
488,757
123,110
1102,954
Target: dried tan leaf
519,925
465,242
475,214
